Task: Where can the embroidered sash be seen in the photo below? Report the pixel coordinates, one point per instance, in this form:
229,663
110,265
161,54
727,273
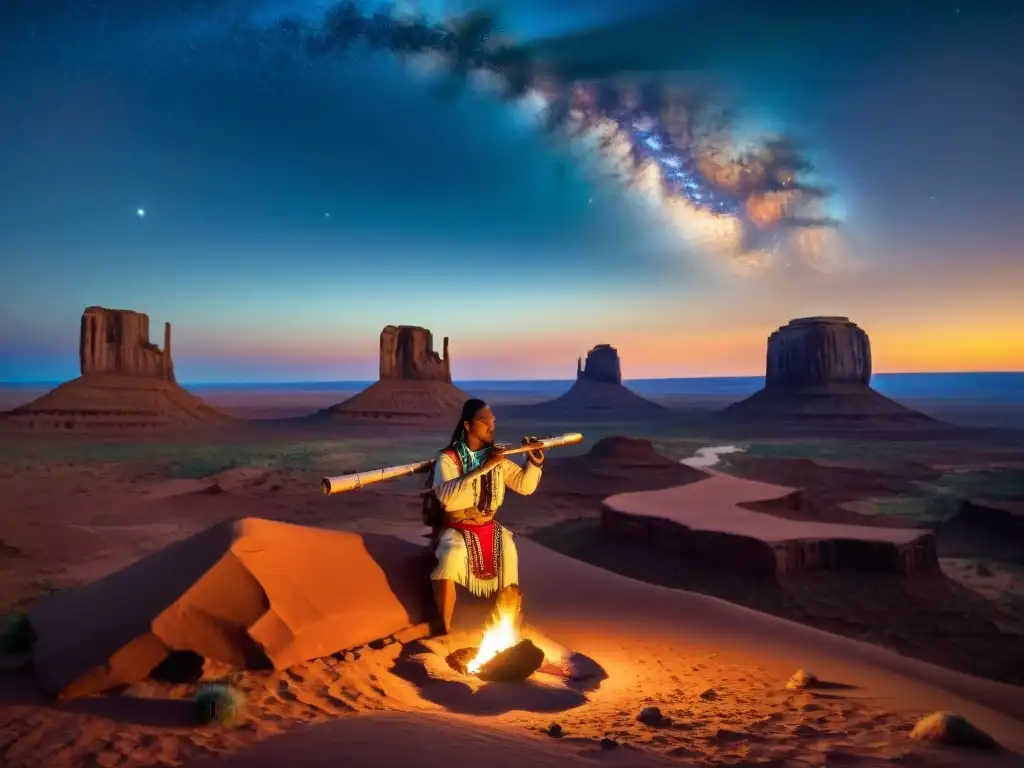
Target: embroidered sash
483,548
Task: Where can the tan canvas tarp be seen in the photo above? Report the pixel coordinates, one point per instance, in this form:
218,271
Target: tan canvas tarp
234,592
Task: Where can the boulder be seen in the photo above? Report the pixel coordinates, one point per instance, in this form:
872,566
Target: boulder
952,730
241,593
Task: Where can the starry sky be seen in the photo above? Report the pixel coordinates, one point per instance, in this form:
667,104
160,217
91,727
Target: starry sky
295,204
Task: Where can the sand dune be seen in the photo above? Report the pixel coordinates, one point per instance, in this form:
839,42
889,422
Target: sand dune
428,741
612,610
716,669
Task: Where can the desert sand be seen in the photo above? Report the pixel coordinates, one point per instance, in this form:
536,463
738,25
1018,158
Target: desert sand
716,670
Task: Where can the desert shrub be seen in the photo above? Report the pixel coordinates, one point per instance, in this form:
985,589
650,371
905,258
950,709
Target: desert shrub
220,704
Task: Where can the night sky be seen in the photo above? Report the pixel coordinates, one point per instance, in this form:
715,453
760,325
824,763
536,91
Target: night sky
185,159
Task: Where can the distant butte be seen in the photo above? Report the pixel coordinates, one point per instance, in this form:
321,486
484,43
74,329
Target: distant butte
597,392
819,369
127,382
415,381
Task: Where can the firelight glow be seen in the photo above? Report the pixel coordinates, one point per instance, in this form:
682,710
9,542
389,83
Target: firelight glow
499,635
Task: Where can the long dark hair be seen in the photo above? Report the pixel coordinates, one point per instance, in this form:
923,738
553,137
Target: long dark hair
469,409
433,514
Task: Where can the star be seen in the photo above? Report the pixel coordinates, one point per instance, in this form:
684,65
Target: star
140,212
327,215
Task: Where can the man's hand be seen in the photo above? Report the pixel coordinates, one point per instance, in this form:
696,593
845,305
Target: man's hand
494,459
536,457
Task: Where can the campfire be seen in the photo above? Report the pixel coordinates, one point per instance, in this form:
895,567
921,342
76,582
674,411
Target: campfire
503,655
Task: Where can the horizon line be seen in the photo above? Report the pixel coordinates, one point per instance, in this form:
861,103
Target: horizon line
196,382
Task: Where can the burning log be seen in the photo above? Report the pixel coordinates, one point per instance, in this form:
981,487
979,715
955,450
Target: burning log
511,665
503,654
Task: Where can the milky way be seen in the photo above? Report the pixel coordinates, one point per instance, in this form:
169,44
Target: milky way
746,205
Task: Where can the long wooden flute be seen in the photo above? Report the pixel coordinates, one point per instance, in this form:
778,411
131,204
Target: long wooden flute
332,486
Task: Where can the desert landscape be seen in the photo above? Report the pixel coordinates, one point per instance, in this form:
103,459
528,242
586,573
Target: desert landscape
816,576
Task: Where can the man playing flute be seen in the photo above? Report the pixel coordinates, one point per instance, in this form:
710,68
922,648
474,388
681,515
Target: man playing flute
468,487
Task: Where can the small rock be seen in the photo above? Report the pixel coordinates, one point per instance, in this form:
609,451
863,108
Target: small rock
554,731
608,743
709,694
983,570
801,681
805,730
953,730
215,670
651,716
725,734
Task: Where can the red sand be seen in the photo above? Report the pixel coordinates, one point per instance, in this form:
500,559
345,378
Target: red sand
428,741
659,647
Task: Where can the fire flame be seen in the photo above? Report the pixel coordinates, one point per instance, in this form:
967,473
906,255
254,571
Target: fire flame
502,631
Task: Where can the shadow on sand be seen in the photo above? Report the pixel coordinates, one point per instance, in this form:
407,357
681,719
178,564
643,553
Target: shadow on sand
152,712
423,664
19,688
424,668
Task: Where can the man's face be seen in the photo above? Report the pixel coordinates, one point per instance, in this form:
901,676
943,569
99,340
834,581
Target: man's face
482,426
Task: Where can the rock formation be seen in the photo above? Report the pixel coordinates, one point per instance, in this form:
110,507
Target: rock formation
126,382
602,366
819,368
710,523
284,594
818,351
415,382
116,341
984,527
407,354
598,392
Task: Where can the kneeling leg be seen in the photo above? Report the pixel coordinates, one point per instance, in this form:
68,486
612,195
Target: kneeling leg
444,599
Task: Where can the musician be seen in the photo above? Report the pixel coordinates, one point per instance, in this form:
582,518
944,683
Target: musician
469,480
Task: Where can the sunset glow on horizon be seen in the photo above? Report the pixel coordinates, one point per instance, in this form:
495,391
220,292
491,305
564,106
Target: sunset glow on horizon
148,172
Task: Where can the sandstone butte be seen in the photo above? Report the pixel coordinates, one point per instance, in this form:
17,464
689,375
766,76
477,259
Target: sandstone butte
598,392
126,382
819,368
415,382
